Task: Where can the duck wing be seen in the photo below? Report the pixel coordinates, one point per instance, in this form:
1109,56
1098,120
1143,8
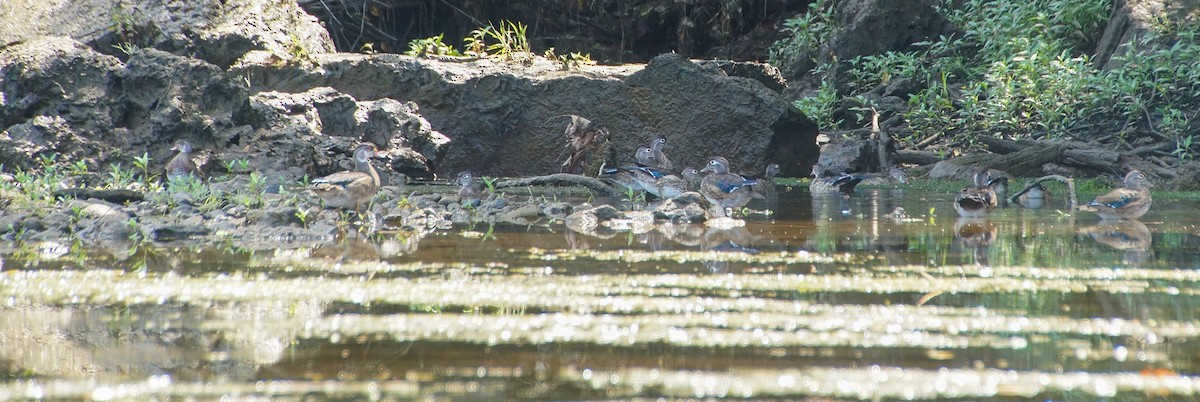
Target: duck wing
1118,198
730,183
343,179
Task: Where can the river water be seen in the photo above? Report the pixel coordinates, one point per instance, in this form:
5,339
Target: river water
823,297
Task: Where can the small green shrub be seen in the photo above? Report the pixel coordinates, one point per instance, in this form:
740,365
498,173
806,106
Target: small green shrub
803,36
431,46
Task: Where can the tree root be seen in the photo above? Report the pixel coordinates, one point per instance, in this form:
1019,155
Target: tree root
563,179
1072,199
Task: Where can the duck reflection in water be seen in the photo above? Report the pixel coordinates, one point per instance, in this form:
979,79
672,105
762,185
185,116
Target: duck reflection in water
976,234
1128,235
726,240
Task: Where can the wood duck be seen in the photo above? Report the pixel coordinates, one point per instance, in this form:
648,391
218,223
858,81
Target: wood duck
471,190
659,182
1035,197
1129,202
822,185
976,200
351,188
723,189
999,185
621,177
766,183
645,157
889,176
692,175
181,165
660,159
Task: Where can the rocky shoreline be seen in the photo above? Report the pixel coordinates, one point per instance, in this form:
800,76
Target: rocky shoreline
93,95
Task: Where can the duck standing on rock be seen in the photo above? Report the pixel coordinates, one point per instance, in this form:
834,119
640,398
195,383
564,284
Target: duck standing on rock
1129,202
181,165
658,156
978,199
471,190
659,182
351,188
723,189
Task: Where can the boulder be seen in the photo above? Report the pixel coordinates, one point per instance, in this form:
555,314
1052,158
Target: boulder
869,27
87,106
218,32
1136,18
319,128
849,155
499,116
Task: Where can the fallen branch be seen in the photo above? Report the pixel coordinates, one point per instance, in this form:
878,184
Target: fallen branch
562,179
1072,200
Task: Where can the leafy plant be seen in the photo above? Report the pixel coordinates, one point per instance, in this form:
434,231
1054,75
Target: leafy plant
509,39
142,163
569,60
820,107
297,53
431,46
804,35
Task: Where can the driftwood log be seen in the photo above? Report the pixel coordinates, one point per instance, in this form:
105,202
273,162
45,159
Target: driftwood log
1074,153
1024,163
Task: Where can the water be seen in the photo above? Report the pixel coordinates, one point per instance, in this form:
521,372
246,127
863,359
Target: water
826,297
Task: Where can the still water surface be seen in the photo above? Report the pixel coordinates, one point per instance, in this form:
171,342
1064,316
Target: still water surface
826,297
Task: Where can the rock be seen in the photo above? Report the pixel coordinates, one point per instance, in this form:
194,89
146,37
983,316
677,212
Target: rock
557,210
219,32
173,232
764,73
495,115
849,155
56,92
871,27
1188,178
588,220
87,106
116,196
114,226
680,210
278,216
521,215
323,125
95,209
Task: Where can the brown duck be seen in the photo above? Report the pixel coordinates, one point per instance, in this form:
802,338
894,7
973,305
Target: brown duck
181,165
351,188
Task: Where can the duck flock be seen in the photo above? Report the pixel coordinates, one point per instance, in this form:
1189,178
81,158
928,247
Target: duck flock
725,191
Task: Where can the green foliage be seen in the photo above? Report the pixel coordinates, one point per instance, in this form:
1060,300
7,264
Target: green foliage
431,46
297,53
1021,70
508,40
804,35
820,107
569,60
